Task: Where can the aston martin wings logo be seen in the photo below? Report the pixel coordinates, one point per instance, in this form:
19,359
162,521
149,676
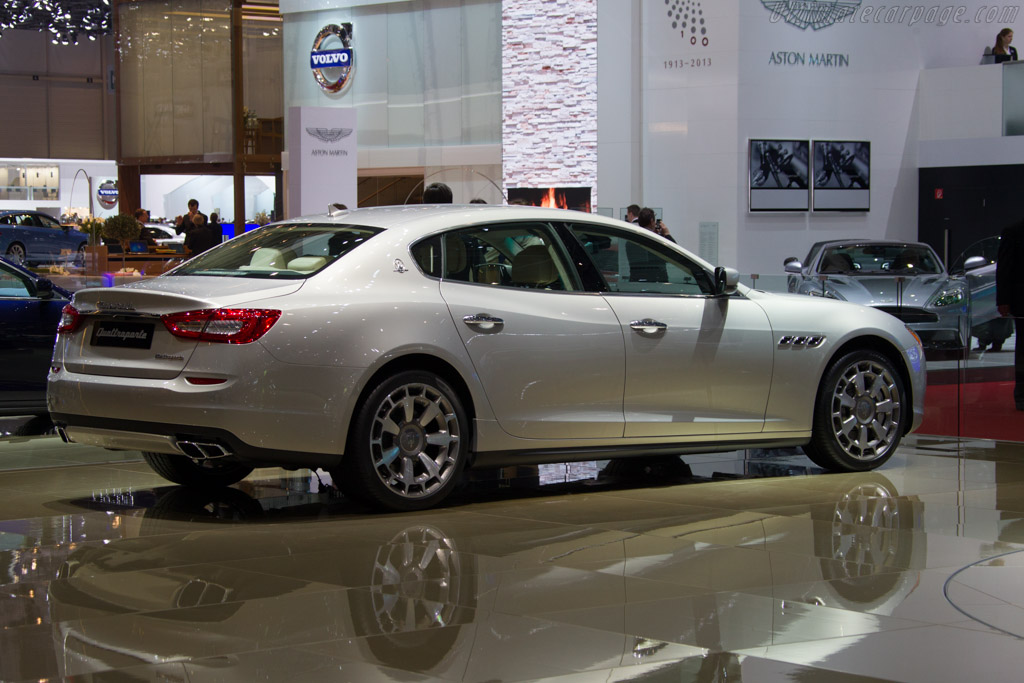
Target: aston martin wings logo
816,14
329,134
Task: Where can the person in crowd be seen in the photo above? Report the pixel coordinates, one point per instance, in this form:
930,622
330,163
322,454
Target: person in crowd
646,219
1010,297
632,213
185,223
214,219
1002,51
202,236
142,216
437,193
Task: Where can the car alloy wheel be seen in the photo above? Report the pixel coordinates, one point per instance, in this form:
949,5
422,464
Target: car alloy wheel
414,439
866,405
16,253
408,445
859,417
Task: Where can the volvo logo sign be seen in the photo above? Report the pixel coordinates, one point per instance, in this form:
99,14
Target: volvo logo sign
811,13
106,194
332,58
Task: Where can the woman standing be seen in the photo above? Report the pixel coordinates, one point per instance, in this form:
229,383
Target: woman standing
1003,51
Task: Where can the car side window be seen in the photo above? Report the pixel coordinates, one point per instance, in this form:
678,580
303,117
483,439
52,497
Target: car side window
427,255
12,286
518,255
48,222
633,264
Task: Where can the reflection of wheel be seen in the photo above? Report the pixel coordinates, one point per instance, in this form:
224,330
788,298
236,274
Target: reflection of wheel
80,256
408,445
420,587
182,470
16,253
867,533
859,415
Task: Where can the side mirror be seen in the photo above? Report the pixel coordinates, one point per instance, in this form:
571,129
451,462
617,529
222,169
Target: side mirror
726,280
44,289
975,262
793,267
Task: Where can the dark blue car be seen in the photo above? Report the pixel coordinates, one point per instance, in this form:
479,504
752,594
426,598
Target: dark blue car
30,308
34,238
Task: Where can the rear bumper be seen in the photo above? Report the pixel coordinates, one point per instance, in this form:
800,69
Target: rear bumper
165,438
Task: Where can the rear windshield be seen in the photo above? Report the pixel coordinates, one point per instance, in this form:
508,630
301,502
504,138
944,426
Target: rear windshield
291,251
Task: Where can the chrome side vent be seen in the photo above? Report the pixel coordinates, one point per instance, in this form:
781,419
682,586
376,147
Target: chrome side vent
811,341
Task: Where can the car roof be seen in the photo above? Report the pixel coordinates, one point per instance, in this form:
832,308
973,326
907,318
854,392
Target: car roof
427,218
31,211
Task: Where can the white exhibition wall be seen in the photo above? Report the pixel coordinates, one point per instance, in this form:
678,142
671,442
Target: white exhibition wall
761,76
426,87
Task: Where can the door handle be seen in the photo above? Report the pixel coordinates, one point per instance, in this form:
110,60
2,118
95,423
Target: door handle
648,326
483,321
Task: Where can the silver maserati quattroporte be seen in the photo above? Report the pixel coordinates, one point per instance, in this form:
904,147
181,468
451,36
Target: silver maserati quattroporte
396,346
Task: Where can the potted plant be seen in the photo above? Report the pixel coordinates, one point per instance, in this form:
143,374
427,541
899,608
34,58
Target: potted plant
123,229
94,227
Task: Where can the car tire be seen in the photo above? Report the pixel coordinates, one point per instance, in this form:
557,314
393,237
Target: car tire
16,253
860,413
408,444
209,473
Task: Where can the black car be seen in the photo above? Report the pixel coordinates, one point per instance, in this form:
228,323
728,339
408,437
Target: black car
30,308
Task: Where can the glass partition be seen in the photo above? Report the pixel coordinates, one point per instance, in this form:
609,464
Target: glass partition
1013,98
29,182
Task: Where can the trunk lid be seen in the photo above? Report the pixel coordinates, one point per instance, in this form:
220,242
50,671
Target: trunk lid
122,335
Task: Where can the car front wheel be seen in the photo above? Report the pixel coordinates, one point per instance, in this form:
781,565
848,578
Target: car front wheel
408,444
207,473
860,414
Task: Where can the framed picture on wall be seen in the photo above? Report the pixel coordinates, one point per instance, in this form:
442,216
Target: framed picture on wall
779,175
842,175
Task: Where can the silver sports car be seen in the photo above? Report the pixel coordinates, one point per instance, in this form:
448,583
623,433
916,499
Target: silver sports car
396,346
905,279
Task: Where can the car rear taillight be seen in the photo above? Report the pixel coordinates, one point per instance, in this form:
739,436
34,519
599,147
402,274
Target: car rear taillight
226,325
70,320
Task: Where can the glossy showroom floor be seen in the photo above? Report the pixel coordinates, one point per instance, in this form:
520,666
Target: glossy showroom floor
736,567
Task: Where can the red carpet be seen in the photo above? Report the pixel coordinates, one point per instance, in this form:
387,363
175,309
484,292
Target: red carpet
985,409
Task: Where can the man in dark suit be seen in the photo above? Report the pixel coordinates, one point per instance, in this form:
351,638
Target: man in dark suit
1010,297
202,236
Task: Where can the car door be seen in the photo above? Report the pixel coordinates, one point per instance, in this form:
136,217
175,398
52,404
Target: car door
549,355
29,323
696,364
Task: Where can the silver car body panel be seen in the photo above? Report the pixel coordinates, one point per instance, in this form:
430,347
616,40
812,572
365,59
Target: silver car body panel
564,370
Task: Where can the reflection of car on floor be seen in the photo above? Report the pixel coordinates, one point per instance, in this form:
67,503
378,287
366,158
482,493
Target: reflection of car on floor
395,346
978,265
30,308
905,279
450,601
34,237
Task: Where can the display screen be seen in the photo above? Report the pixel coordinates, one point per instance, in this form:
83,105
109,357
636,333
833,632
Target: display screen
779,175
842,175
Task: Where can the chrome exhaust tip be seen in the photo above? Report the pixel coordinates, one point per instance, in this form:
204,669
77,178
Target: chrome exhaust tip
63,434
202,451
